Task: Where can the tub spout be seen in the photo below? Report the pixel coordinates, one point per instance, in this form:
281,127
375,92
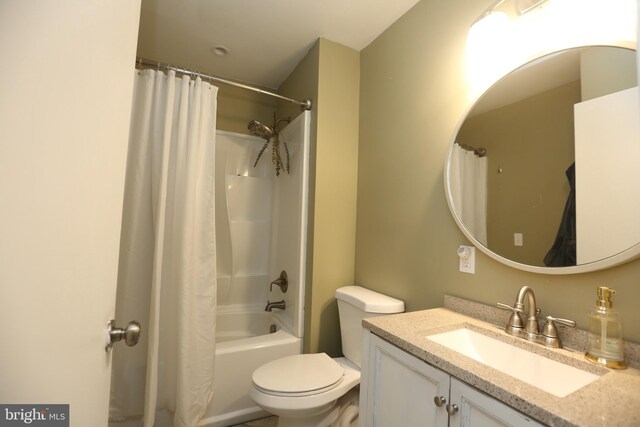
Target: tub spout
271,305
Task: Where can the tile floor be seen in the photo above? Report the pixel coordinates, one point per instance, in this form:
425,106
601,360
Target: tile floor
262,422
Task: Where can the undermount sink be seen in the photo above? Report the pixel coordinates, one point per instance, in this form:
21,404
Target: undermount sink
549,375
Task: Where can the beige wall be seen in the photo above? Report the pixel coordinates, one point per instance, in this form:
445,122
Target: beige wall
531,141
330,75
302,83
413,93
237,107
604,71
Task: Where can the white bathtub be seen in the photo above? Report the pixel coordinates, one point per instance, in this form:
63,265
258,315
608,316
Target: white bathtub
243,344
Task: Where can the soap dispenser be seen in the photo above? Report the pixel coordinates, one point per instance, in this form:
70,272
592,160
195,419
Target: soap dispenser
605,346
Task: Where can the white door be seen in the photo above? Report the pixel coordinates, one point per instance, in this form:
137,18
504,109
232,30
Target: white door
66,79
607,131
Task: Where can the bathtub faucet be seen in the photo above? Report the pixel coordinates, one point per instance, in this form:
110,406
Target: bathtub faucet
271,305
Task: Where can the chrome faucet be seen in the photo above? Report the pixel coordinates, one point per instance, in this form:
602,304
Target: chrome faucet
515,325
531,324
529,329
271,305
282,281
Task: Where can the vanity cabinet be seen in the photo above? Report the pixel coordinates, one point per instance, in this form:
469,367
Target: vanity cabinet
398,389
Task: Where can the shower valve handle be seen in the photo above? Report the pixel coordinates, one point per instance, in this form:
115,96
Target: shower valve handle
282,281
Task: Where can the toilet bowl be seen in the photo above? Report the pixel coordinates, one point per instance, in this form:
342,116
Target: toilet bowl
304,387
314,389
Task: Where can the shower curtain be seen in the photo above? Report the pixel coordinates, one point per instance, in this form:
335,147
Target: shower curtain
468,174
167,270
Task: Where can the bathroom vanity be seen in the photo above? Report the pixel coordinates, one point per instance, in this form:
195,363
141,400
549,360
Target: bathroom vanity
404,390
409,379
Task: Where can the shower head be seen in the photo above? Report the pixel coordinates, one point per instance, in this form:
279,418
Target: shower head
271,135
261,130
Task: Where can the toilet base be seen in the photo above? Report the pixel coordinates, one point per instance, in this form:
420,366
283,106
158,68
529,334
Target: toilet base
339,413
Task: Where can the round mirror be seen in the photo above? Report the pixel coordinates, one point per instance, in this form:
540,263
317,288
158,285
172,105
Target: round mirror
543,174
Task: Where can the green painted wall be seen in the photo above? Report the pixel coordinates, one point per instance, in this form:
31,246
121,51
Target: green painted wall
237,107
413,93
330,75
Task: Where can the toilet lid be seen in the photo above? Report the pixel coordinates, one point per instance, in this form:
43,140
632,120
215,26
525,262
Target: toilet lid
298,374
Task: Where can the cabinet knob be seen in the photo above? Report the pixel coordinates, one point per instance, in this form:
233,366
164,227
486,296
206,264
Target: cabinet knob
452,409
439,401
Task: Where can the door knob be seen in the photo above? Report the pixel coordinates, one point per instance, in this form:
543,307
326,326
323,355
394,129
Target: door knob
130,335
451,409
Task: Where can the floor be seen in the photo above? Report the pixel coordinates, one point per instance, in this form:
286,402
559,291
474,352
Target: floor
262,422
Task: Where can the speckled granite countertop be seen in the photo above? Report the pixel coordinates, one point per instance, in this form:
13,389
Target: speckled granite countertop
611,400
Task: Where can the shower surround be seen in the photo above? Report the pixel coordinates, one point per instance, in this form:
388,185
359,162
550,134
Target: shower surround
261,224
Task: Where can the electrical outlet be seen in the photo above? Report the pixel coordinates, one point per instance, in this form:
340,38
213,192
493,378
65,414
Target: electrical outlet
467,255
517,239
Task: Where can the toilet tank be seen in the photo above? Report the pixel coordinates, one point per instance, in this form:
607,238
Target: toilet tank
354,304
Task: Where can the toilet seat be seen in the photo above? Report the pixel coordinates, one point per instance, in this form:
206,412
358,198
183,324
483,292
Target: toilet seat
292,405
299,375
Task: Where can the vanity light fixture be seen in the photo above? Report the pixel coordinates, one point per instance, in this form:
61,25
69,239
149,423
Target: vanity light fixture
524,6
489,12
508,33
512,32
520,7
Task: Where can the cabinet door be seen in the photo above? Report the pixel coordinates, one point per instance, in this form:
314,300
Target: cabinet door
476,409
400,388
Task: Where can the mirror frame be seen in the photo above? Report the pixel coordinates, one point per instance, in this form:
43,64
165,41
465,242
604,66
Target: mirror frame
617,259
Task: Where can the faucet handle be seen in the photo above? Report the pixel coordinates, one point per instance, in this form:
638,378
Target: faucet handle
565,322
550,332
515,320
549,329
508,307
282,281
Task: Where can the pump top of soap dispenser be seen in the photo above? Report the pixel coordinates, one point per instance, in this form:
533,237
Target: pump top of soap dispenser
604,296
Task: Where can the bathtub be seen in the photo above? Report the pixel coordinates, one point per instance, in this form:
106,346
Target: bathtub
243,343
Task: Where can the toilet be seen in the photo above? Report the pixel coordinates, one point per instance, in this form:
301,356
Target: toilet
314,389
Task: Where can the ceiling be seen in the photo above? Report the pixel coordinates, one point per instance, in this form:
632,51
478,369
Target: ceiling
265,38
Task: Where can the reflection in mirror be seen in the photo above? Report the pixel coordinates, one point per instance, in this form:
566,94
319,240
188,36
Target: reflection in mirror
573,109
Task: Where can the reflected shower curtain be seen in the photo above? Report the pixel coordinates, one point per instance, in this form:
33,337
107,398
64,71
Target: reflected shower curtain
167,270
469,190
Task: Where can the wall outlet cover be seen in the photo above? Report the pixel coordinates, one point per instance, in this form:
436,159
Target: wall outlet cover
517,239
467,255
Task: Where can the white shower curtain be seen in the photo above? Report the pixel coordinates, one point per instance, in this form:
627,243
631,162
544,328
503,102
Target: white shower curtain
167,272
468,174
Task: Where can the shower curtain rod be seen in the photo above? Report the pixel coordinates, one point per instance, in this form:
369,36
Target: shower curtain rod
480,152
305,103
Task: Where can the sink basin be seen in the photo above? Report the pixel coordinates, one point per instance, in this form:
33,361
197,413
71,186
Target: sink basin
549,375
